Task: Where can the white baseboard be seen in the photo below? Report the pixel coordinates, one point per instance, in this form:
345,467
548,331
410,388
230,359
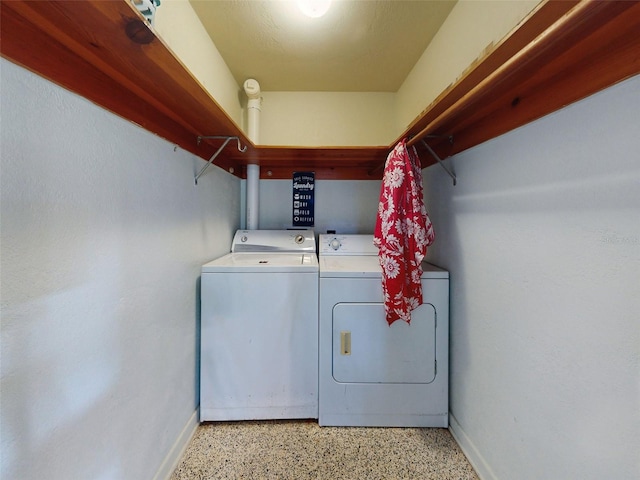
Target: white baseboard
469,449
170,462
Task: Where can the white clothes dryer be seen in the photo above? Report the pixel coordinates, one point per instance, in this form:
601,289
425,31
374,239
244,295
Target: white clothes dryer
259,328
373,374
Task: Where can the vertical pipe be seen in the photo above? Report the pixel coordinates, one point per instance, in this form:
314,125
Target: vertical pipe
253,193
252,89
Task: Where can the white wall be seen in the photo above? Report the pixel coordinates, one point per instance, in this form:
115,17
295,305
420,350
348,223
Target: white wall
327,118
344,206
470,29
343,118
542,238
102,237
378,118
180,29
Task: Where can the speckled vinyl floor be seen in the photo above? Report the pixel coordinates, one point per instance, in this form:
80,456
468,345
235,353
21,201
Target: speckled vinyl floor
286,450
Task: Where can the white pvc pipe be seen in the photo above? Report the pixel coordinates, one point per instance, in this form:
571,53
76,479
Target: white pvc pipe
253,119
252,89
253,193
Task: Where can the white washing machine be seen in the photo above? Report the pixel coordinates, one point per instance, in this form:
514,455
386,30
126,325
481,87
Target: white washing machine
259,328
373,374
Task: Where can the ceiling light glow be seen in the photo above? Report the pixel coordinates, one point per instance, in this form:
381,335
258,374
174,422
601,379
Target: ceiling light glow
314,8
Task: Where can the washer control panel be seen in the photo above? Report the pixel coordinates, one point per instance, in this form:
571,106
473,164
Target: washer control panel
274,241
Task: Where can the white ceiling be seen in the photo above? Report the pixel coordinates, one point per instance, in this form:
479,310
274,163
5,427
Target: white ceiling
358,46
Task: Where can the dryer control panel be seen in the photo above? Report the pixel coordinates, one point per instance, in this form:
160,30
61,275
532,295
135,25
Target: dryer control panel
353,244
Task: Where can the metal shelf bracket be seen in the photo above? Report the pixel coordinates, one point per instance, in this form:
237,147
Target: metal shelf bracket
224,144
451,173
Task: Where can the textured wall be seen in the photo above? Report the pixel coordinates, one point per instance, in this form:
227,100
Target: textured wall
470,28
102,237
180,28
343,118
542,238
327,118
344,206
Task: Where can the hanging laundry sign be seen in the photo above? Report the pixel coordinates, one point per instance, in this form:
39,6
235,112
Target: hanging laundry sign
303,198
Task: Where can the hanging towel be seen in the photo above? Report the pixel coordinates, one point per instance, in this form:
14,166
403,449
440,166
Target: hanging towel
403,232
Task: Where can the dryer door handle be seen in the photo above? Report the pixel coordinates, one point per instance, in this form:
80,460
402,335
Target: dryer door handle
345,342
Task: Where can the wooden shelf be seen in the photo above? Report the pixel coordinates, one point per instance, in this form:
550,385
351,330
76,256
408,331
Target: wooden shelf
564,51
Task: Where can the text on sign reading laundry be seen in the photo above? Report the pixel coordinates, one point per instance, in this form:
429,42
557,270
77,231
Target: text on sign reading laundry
303,199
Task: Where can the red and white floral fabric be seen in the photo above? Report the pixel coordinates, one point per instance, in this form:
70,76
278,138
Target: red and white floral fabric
403,232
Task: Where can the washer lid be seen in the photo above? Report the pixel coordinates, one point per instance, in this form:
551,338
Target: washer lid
263,263
363,266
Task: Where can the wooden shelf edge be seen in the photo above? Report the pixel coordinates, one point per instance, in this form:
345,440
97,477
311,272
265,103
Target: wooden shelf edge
562,52
565,55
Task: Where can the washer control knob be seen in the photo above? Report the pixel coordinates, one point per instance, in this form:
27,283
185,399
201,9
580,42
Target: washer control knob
299,239
335,244
243,238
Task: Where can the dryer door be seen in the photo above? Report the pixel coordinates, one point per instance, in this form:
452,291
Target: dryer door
367,350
